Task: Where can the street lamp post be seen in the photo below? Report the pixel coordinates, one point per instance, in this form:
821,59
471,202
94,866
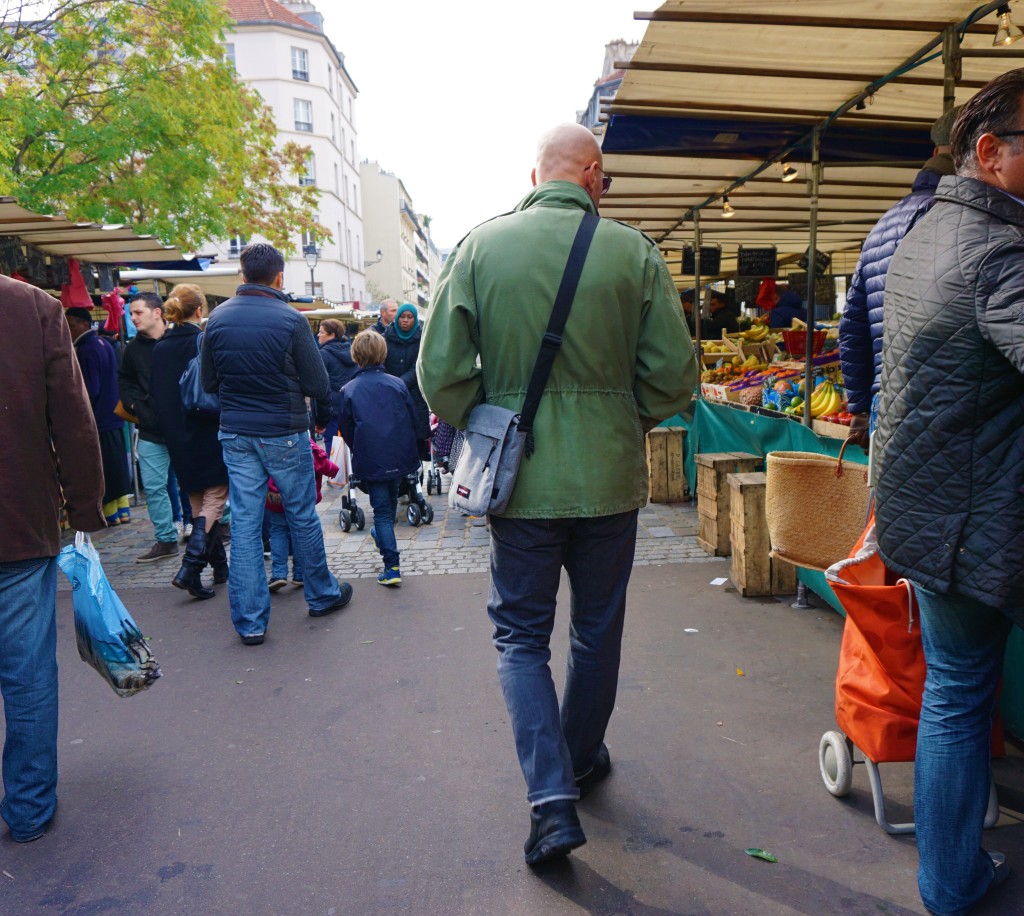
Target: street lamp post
312,255
377,260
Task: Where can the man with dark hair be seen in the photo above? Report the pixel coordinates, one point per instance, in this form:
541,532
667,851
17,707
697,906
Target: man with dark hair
50,453
626,363
860,329
147,313
950,462
260,356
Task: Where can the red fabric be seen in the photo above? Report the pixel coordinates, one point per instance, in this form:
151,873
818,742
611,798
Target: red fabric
766,295
881,672
74,293
114,305
321,465
17,276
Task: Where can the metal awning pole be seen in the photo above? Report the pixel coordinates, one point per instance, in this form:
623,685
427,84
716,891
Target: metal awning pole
696,296
812,258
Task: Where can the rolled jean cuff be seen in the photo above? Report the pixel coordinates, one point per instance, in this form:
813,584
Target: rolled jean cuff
555,796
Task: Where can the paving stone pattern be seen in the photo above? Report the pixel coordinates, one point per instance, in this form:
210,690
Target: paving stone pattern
451,544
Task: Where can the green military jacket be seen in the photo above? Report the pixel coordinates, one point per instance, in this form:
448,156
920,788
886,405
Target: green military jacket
626,361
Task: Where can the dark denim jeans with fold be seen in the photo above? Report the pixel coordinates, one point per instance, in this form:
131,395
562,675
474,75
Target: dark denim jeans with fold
28,680
527,558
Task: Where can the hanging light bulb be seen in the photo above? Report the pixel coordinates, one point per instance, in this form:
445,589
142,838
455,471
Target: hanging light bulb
728,210
1007,33
789,173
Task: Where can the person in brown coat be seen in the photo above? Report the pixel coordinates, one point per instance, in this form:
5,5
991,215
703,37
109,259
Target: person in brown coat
50,454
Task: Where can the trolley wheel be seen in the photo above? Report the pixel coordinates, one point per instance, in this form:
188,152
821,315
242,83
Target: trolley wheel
360,518
428,514
430,483
413,514
437,480
836,763
345,520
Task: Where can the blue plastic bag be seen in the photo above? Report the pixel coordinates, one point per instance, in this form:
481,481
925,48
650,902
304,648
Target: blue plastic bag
107,637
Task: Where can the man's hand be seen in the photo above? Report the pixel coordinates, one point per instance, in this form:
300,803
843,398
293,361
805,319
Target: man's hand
859,434
319,430
274,499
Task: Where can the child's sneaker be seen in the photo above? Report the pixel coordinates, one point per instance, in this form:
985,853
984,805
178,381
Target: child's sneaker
296,583
390,576
373,537
277,584
124,516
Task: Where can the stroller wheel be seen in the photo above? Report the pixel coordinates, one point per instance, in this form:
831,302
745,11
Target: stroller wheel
360,519
345,520
437,480
428,514
836,763
413,514
430,483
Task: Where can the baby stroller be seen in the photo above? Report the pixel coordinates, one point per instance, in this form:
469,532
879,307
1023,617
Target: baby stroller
880,679
351,512
445,445
418,510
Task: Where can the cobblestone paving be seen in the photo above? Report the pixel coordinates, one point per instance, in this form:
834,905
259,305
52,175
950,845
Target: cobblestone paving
451,544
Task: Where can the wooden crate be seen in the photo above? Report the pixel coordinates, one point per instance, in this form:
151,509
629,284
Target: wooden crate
754,572
713,469
665,462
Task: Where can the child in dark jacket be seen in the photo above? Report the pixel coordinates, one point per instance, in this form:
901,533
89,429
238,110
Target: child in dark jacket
378,421
280,541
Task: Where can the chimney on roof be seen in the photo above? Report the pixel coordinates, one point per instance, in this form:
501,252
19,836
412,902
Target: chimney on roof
305,10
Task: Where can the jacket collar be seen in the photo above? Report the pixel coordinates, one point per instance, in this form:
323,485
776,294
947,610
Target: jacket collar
970,192
378,368
87,336
256,289
557,194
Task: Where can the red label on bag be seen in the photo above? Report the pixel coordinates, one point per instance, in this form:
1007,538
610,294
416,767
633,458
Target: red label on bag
462,491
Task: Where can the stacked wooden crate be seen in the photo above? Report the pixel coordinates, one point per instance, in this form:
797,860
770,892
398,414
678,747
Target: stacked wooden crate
665,461
713,470
754,571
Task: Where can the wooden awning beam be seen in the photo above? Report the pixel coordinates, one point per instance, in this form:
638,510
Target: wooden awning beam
814,22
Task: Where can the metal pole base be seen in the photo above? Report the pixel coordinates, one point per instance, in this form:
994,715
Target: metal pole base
801,603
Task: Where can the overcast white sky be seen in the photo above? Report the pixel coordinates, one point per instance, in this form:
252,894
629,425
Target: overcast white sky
453,97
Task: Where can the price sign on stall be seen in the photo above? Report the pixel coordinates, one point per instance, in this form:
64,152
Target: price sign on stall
756,262
710,261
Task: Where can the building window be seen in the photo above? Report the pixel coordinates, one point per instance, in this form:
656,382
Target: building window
330,80
304,115
348,239
343,287
236,245
300,64
307,240
314,289
334,136
337,187
309,179
229,53
353,152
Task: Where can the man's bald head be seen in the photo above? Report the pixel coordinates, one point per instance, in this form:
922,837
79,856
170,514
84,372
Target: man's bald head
387,311
570,152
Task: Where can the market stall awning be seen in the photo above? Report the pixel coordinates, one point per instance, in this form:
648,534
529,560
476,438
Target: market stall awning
91,242
718,94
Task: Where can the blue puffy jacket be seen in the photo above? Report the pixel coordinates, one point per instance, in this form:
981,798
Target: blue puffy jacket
259,355
789,306
860,329
378,421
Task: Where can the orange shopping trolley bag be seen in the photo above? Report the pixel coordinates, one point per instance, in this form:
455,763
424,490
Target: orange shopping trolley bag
880,678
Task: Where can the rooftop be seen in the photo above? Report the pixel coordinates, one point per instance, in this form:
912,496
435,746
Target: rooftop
246,11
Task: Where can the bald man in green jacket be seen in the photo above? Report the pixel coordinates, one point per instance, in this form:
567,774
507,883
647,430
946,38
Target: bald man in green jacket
626,363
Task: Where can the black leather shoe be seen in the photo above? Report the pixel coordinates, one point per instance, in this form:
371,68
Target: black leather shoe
254,639
601,767
554,831
344,599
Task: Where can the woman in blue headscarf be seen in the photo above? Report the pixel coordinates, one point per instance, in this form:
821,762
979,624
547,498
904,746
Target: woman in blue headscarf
403,339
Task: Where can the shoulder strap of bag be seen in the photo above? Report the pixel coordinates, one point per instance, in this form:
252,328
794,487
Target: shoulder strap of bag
552,341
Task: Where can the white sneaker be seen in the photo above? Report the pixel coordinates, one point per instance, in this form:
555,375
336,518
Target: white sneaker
187,532
180,528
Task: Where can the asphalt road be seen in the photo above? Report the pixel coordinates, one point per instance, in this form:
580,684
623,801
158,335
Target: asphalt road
363,763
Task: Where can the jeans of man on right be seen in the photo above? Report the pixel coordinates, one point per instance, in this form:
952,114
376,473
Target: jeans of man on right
28,680
964,643
527,558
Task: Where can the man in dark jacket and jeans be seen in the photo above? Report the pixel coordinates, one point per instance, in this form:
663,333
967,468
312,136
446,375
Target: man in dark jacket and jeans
147,311
950,449
260,356
860,330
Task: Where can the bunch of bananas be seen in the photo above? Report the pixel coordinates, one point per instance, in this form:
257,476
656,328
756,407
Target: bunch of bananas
757,333
825,400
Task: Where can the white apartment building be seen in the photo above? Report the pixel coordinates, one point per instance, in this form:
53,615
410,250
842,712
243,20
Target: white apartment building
397,233
281,51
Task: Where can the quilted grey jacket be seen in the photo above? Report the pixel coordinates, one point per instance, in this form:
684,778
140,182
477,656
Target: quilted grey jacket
950,439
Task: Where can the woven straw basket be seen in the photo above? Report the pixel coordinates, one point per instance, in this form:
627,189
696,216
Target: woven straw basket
816,507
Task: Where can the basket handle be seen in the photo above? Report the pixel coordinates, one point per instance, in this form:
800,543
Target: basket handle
839,464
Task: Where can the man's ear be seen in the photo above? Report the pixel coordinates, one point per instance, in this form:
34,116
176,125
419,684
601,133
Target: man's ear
278,281
533,177
988,150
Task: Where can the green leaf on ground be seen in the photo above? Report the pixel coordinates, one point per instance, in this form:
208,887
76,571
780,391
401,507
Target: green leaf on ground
756,853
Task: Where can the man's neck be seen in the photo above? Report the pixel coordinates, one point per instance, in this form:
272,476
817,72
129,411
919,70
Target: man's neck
155,333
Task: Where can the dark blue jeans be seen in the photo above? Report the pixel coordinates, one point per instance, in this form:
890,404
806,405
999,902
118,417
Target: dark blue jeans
527,558
28,680
384,502
964,644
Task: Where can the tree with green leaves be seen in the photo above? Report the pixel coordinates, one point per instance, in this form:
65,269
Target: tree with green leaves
127,111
